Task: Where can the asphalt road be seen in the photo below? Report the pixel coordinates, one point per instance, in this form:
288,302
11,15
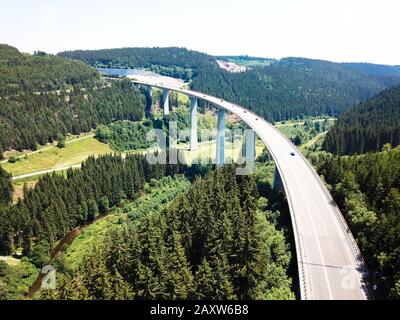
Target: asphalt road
330,264
36,173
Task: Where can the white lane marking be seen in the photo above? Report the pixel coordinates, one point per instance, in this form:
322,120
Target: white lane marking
311,219
340,232
264,129
310,216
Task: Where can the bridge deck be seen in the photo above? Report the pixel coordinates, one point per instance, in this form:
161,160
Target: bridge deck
330,264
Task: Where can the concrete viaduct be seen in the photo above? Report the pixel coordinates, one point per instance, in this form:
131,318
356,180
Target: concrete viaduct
330,264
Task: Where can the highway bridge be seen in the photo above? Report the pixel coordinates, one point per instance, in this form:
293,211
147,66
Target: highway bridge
330,264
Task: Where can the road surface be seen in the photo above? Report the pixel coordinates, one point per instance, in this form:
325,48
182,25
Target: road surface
330,264
36,173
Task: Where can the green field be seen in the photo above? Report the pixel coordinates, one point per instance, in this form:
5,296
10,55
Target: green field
52,158
207,150
77,150
305,128
250,62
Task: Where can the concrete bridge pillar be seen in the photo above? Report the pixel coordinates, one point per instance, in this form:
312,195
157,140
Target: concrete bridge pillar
193,124
221,137
250,148
278,184
165,102
149,99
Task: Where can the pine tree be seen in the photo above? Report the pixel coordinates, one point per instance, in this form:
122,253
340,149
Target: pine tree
73,289
93,210
179,277
152,269
204,281
223,288
120,289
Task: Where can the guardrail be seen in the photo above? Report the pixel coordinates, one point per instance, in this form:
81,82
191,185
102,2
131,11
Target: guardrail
343,224
298,237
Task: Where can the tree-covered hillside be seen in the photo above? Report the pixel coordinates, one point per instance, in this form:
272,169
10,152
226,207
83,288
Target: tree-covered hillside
44,97
276,89
367,126
6,188
175,62
293,86
30,119
210,243
367,189
385,72
21,72
58,204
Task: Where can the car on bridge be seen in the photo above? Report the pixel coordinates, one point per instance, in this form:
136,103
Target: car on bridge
321,234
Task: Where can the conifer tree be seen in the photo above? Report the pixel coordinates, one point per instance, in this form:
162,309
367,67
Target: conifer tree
204,279
179,278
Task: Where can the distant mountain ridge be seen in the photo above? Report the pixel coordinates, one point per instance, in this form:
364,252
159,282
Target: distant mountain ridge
276,89
171,61
376,69
292,87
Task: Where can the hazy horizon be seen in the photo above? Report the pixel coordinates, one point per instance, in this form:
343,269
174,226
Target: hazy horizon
338,31
220,55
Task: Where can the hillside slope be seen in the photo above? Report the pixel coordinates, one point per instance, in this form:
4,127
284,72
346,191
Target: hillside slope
367,126
367,190
276,89
173,61
292,87
44,97
40,72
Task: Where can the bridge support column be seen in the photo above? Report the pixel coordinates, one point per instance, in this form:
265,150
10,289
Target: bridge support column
149,99
278,184
221,137
165,102
193,124
250,149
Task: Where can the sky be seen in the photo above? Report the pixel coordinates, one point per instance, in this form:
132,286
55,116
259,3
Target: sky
338,30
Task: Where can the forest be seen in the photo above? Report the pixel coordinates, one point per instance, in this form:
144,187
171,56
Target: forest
215,241
291,87
212,242
41,72
218,235
173,61
124,135
31,119
275,89
45,97
366,188
366,184
58,204
368,126
6,187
